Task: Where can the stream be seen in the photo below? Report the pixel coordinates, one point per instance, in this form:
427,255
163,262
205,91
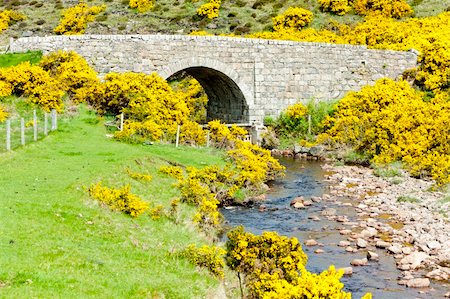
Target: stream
306,178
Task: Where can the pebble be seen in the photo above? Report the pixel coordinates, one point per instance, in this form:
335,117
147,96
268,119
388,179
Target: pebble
345,232
396,248
418,283
361,243
347,270
359,262
372,256
344,243
311,242
382,244
318,251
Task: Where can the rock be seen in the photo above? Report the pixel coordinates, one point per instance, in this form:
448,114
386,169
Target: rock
414,259
447,295
395,249
316,199
211,26
345,232
350,249
307,203
311,242
418,283
434,245
382,244
369,232
361,243
329,212
298,205
347,270
372,256
27,33
299,199
359,262
344,243
406,250
404,267
319,251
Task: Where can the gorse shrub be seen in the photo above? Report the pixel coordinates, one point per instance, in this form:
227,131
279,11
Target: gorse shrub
210,9
294,18
273,266
74,20
339,7
8,17
119,199
209,257
391,122
389,8
142,5
3,114
34,83
72,72
195,97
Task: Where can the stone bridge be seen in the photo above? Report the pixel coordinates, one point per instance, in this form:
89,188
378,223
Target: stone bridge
245,79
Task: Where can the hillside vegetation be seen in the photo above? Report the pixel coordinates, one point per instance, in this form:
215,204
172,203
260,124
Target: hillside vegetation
180,16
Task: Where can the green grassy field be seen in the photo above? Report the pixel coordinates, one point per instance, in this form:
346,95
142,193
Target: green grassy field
56,242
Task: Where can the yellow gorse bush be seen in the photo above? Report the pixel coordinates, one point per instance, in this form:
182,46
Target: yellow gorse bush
74,20
210,9
209,257
72,71
294,18
339,7
195,97
119,199
388,8
390,121
8,17
273,266
142,5
3,114
34,83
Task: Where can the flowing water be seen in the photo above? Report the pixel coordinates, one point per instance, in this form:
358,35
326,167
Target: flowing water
305,178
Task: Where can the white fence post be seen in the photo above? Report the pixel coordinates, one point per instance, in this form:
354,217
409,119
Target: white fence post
45,124
22,131
178,136
121,122
309,124
207,138
54,120
35,129
8,134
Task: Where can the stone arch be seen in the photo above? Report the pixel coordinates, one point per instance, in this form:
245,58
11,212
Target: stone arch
228,98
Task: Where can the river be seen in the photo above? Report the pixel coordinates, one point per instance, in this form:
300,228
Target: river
306,178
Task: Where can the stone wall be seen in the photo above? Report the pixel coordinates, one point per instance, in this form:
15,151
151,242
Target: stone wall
263,76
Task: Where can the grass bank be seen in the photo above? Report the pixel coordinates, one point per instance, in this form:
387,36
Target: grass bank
56,242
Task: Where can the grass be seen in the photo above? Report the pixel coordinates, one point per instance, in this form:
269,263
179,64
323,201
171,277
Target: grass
407,198
56,242
388,171
11,59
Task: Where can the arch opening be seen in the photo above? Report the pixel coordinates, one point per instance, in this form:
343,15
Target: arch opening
226,101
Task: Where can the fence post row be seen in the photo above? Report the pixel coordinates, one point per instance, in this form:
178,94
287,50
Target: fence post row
54,126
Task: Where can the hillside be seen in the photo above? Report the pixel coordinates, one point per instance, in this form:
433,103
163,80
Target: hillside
179,16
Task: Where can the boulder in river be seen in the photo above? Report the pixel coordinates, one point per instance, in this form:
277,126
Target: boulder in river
372,256
311,242
347,270
359,262
418,283
361,243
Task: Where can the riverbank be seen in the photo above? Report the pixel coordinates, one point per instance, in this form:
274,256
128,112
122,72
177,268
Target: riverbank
399,215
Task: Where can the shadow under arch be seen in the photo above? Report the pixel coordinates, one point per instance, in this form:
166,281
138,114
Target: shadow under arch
227,101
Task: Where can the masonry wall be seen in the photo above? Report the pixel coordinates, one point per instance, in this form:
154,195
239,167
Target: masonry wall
271,74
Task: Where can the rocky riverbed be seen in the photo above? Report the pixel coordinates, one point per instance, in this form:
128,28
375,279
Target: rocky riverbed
399,215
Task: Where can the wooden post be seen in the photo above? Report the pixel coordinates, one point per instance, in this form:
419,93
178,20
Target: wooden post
45,124
22,131
121,122
8,134
309,124
35,129
54,120
207,138
178,136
